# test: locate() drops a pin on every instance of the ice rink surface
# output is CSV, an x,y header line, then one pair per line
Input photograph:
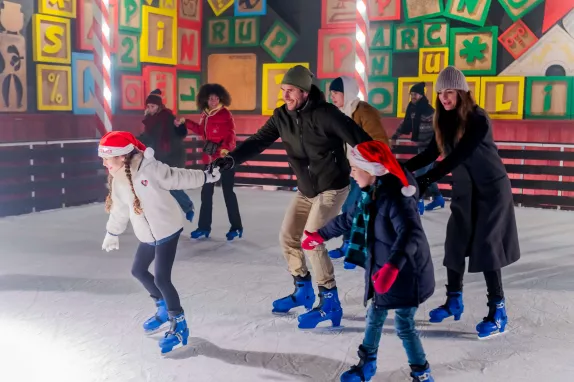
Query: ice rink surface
x,y
72,313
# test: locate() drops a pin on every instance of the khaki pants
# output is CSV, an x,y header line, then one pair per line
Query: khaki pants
x,y
310,214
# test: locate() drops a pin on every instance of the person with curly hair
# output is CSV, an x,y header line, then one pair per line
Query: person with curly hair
x,y
217,128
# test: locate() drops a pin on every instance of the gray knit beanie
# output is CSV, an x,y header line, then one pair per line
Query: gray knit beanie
x,y
451,78
300,77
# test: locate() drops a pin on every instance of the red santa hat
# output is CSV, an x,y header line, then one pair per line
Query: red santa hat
x,y
376,158
116,143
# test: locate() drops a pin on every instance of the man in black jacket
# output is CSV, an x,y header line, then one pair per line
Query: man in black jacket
x,y
418,122
314,134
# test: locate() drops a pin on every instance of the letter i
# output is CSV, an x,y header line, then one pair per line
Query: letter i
x,y
160,34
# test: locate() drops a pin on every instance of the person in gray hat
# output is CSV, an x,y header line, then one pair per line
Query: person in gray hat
x,y
314,134
482,225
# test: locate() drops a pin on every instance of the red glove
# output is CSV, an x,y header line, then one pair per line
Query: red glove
x,y
312,240
384,278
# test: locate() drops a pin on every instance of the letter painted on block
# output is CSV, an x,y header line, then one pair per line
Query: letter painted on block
x,y
188,85
517,9
474,51
435,33
338,14
432,61
165,79
403,89
128,56
470,11
250,7
336,53
159,45
51,39
549,97
83,91
132,93
189,52
85,25
503,97
278,41
189,13
220,32
381,35
380,10
246,31
219,6
130,15
54,87
380,63
62,8
383,94
517,39
407,38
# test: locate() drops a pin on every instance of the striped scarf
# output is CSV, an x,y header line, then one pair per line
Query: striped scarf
x,y
357,251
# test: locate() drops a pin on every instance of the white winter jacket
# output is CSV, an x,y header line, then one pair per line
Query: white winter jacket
x,y
162,216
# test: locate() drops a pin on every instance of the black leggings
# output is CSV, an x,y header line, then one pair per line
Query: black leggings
x,y
493,283
205,213
160,286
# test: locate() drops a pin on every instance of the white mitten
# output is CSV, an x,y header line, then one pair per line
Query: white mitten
x,y
111,242
213,176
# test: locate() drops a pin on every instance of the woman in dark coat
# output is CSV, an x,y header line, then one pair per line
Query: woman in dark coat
x,y
388,240
482,225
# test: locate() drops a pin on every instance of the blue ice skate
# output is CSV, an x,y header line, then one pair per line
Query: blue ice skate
x,y
495,322
233,233
329,308
304,295
176,336
199,233
452,307
421,374
364,370
421,206
437,202
189,215
157,322
349,265
339,252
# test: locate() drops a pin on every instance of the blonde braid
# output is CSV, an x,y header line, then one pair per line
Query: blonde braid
x,y
137,205
109,201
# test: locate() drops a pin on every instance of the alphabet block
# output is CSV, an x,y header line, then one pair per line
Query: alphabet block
x,y
381,35
159,44
246,32
128,57
432,61
404,87
474,87
549,97
167,5
381,10
435,33
324,86
189,13
219,6
336,53
83,91
238,73
250,7
420,10
132,93
84,26
407,37
189,44
338,14
130,15
473,51
220,32
272,76
54,87
62,8
381,63
469,11
165,79
278,41
517,39
51,39
502,97
188,85
383,94
13,78
517,9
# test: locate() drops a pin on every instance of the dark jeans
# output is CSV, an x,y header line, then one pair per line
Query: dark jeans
x,y
433,188
183,200
206,211
493,282
405,326
352,198
160,286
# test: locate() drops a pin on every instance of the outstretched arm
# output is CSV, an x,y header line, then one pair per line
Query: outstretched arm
x,y
171,178
344,127
257,143
337,226
428,156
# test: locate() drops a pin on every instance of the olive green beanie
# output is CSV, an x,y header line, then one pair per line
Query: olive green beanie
x,y
300,77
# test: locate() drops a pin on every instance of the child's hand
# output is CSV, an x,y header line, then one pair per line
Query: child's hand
x,y
110,243
312,240
178,122
385,278
212,175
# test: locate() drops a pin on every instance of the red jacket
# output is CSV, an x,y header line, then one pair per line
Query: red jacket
x,y
216,126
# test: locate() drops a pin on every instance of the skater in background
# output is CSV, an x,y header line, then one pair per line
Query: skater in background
x,y
418,122
217,129
389,242
314,133
139,188
482,225
345,95
167,141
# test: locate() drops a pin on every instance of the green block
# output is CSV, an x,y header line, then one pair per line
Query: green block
x,y
246,31
516,9
549,97
324,86
220,32
407,37
409,17
128,55
279,41
456,9
435,33
382,35
129,15
476,55
380,63
383,95
186,93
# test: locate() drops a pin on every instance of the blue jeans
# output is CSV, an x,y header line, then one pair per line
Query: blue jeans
x,y
352,198
405,326
183,200
433,188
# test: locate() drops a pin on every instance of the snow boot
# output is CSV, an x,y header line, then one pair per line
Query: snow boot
x,y
329,308
159,320
364,370
177,334
339,252
304,295
421,373
421,205
452,307
495,322
233,233
199,233
437,202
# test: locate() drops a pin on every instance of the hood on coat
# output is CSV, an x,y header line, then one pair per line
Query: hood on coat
x,y
351,95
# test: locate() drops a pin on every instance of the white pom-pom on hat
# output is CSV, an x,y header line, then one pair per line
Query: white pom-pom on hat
x,y
149,153
409,190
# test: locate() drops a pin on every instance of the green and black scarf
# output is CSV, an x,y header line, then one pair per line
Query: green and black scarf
x,y
358,251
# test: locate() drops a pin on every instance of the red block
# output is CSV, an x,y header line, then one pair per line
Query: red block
x,y
132,93
163,78
517,39
336,53
189,48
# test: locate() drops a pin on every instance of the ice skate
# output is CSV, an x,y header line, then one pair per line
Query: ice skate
x,y
421,374
159,320
233,233
189,215
421,206
176,336
329,308
304,295
437,202
339,252
452,307
495,323
199,233
364,370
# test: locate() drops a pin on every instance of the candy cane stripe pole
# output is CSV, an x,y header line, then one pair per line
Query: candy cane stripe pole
x,y
103,63
361,49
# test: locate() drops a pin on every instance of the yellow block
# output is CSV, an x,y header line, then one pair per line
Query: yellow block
x,y
503,97
62,8
51,39
54,92
159,34
405,84
271,96
220,6
432,61
474,87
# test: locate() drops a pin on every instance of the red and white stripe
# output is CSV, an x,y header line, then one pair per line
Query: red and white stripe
x,y
102,60
362,48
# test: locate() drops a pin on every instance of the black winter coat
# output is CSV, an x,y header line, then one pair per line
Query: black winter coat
x,y
314,137
395,235
418,122
165,138
482,225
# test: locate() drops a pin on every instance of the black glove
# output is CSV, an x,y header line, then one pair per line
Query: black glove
x,y
424,184
225,163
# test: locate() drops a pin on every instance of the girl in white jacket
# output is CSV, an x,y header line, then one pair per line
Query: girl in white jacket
x,y
139,188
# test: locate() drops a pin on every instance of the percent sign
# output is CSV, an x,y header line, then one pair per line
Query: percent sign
x,y
55,96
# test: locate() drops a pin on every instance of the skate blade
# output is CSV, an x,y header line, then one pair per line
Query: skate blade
x,y
324,329
158,330
175,350
284,314
493,335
